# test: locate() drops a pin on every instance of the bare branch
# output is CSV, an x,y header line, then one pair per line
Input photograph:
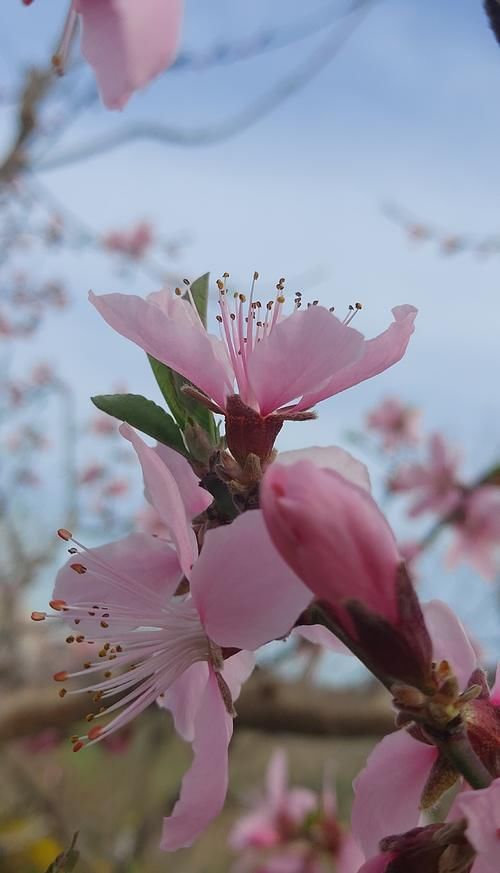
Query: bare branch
x,y
265,704
37,86
316,62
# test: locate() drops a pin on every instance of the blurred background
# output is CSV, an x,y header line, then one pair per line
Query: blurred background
x,y
350,147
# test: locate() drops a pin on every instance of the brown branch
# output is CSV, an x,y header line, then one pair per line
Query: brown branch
x,y
266,704
38,84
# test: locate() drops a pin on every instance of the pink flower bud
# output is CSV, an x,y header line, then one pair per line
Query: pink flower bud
x,y
334,537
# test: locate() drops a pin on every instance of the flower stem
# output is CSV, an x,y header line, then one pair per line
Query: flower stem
x,y
457,748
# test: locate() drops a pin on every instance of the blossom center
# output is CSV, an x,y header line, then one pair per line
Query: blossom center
x,y
244,322
136,644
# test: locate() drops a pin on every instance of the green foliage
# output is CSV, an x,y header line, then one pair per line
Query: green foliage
x,y
143,414
199,290
185,409
67,861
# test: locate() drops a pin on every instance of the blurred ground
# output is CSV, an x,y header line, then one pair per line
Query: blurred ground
x,y
116,800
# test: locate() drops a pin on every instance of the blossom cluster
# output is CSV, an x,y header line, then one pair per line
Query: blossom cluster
x,y
434,485
253,544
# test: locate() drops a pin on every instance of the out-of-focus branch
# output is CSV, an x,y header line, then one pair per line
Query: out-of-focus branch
x,y
448,242
265,704
317,61
492,9
37,85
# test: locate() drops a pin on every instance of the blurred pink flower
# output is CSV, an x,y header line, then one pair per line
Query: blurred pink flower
x,y
296,828
134,242
332,534
128,43
176,648
55,294
282,366
104,425
27,477
92,473
389,791
435,483
42,374
397,423
115,488
477,532
6,328
280,813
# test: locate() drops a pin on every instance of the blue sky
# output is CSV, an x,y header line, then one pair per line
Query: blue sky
x,y
407,113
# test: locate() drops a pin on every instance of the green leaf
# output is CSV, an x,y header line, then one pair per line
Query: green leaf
x,y
170,383
168,386
199,290
143,414
66,862
182,407
491,477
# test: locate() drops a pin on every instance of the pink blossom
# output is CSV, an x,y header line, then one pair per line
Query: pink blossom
x,y
335,538
467,842
294,827
92,473
397,423
134,242
278,816
115,488
481,810
128,43
435,483
477,531
388,791
42,374
281,365
104,425
178,648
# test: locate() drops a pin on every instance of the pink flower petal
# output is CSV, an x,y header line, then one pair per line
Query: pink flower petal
x,y
236,671
481,809
350,857
449,640
333,535
495,691
149,563
380,353
243,590
205,784
128,43
184,696
298,803
477,537
169,333
255,830
183,699
277,778
301,352
388,791
331,458
194,498
165,497
321,636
